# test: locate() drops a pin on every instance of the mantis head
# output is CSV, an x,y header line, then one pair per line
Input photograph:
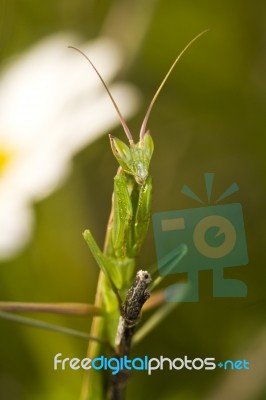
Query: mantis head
x,y
135,158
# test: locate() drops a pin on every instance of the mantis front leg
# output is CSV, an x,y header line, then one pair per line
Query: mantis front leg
x,y
143,215
122,215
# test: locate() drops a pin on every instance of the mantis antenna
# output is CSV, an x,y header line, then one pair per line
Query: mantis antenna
x,y
146,118
122,120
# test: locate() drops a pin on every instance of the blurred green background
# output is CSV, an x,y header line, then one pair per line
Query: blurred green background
x,y
209,118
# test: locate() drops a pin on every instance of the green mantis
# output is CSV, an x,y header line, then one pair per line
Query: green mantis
x,y
128,222
127,227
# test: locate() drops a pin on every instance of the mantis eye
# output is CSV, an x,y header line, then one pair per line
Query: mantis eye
x,y
121,152
148,144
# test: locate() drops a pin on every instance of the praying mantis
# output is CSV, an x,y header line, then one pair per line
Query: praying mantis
x,y
126,230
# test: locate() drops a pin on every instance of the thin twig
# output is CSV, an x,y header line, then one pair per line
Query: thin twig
x,y
53,308
45,325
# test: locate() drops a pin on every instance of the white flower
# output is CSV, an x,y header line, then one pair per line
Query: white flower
x,y
52,104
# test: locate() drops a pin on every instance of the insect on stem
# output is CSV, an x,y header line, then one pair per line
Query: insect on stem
x,y
122,120
126,231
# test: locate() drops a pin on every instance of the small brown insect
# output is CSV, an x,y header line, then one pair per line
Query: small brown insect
x,y
130,313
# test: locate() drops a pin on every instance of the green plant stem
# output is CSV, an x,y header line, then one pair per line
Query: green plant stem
x,y
51,327
52,308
